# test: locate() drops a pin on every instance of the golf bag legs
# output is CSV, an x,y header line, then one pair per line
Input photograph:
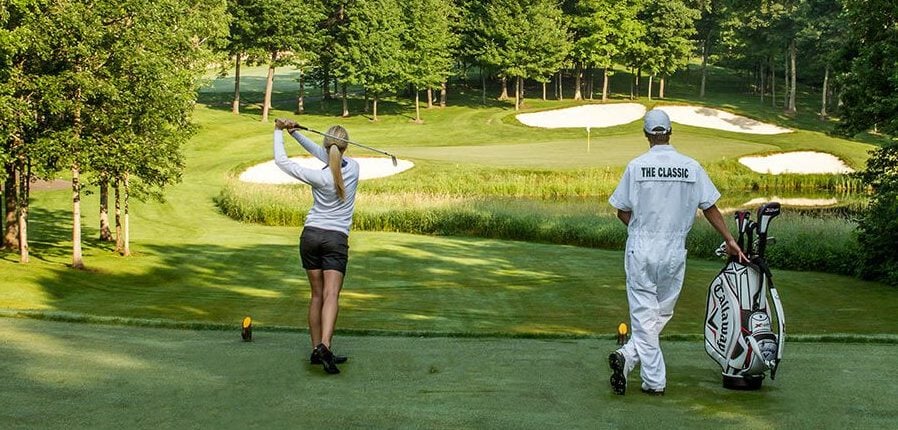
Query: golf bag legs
x,y
749,383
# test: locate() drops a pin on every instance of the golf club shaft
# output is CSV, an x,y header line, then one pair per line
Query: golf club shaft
x,y
302,127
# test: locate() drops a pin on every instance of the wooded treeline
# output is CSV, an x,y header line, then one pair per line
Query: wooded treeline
x,y
385,46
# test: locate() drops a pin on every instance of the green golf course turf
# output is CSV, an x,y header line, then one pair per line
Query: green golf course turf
x,y
494,333
403,282
63,375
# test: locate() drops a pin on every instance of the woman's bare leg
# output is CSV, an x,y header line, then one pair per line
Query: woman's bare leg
x,y
333,282
316,281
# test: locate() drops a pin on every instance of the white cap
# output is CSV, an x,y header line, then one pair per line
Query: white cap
x,y
657,122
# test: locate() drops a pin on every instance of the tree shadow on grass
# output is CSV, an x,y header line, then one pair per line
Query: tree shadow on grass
x,y
50,235
452,285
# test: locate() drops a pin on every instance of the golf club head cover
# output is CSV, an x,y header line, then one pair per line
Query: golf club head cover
x,y
767,212
742,218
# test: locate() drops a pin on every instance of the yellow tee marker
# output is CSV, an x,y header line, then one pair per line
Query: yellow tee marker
x,y
622,334
247,333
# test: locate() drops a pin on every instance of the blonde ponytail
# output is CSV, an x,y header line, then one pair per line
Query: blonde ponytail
x,y
335,161
335,148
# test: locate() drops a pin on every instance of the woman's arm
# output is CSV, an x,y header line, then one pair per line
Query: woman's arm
x,y
313,148
310,176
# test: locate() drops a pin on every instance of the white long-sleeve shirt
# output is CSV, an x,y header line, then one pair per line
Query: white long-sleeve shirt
x,y
328,211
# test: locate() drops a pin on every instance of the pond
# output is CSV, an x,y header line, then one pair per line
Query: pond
x,y
825,204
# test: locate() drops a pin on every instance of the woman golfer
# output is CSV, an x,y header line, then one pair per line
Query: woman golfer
x,y
323,245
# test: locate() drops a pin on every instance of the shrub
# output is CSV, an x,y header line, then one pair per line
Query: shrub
x,y
878,225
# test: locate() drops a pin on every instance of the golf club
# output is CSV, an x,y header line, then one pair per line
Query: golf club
x,y
765,213
392,157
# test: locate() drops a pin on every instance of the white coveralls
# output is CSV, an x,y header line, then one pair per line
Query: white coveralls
x,y
662,189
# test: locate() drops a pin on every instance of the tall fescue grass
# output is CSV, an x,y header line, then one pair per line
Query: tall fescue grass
x,y
804,240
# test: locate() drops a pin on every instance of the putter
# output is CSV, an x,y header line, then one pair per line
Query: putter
x,y
392,157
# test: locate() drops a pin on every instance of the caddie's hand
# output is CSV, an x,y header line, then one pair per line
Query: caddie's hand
x,y
734,250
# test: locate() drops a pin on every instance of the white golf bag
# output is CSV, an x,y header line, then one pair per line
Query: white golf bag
x,y
738,324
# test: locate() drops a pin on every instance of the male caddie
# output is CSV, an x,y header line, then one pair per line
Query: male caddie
x,y
657,199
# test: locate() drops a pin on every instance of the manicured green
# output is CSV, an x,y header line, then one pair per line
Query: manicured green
x,y
63,375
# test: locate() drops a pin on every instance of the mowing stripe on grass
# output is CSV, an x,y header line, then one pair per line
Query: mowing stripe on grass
x,y
71,317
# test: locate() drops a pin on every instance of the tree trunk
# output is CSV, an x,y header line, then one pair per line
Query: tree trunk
x,y
325,88
517,93
786,90
825,89
772,82
763,83
661,89
429,98
300,100
650,86
10,194
544,91
560,86
443,94
269,83
578,81
418,105
235,105
483,87
77,259
701,91
22,213
345,101
555,86
127,242
105,232
605,83
793,53
119,234
589,83
504,94
374,106
367,102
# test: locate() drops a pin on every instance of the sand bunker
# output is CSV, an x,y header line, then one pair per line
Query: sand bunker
x,y
585,116
792,201
369,168
608,115
698,116
803,162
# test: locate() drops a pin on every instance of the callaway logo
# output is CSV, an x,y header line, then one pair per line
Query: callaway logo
x,y
724,305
